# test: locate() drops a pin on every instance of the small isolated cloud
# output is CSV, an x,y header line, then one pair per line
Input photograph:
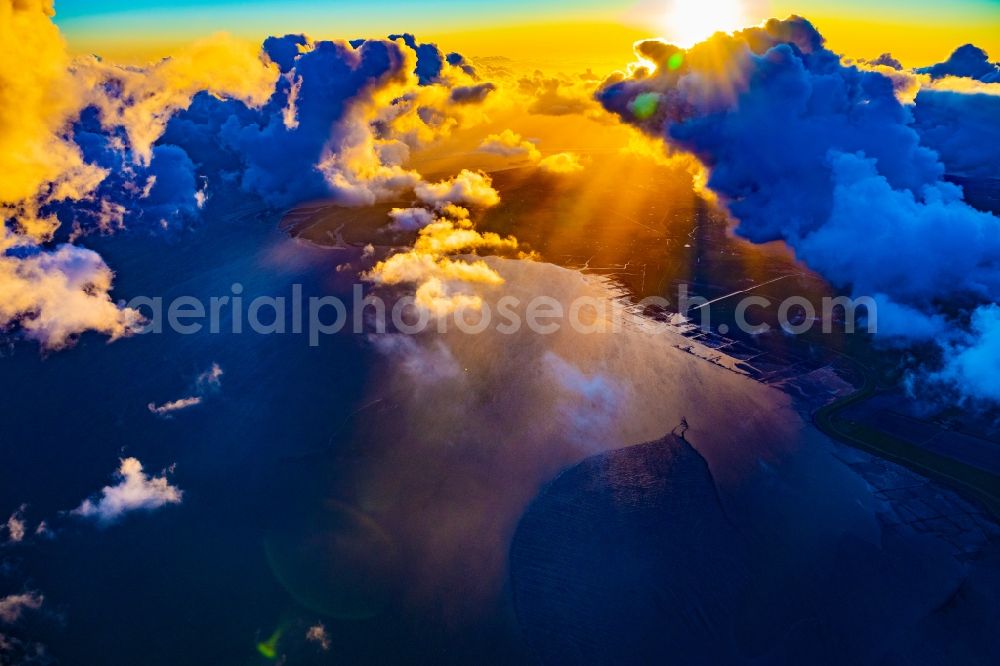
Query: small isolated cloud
x,y
211,379
135,491
885,60
53,296
319,635
13,606
561,163
16,525
510,144
207,382
471,188
410,219
168,408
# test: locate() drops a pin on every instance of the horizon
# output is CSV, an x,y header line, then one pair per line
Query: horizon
x,y
523,333
919,34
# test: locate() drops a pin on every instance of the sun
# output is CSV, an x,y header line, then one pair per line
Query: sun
x,y
688,22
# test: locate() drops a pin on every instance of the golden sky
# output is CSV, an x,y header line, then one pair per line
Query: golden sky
x,y
587,33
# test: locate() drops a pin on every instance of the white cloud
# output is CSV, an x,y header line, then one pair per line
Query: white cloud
x,y
410,219
210,379
16,525
54,296
168,408
135,491
319,635
14,605
207,382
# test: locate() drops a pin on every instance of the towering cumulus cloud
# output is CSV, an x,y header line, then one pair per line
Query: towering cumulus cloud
x,y
958,112
54,169
87,146
804,149
341,122
38,98
51,294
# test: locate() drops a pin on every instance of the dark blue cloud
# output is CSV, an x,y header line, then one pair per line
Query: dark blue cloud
x,y
471,94
804,149
170,198
886,60
276,149
430,60
963,128
197,129
967,61
279,160
159,196
458,60
765,120
283,50
272,151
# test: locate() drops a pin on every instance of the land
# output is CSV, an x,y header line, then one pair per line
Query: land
x,y
642,225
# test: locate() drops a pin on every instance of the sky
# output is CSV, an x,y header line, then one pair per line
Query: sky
x,y
918,32
445,184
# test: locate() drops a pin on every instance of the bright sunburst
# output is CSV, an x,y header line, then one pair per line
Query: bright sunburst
x,y
688,22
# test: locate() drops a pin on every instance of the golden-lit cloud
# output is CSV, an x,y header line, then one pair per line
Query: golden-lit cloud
x,y
561,163
471,188
560,94
509,143
442,283
363,165
907,83
146,98
53,296
962,84
361,168
38,99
